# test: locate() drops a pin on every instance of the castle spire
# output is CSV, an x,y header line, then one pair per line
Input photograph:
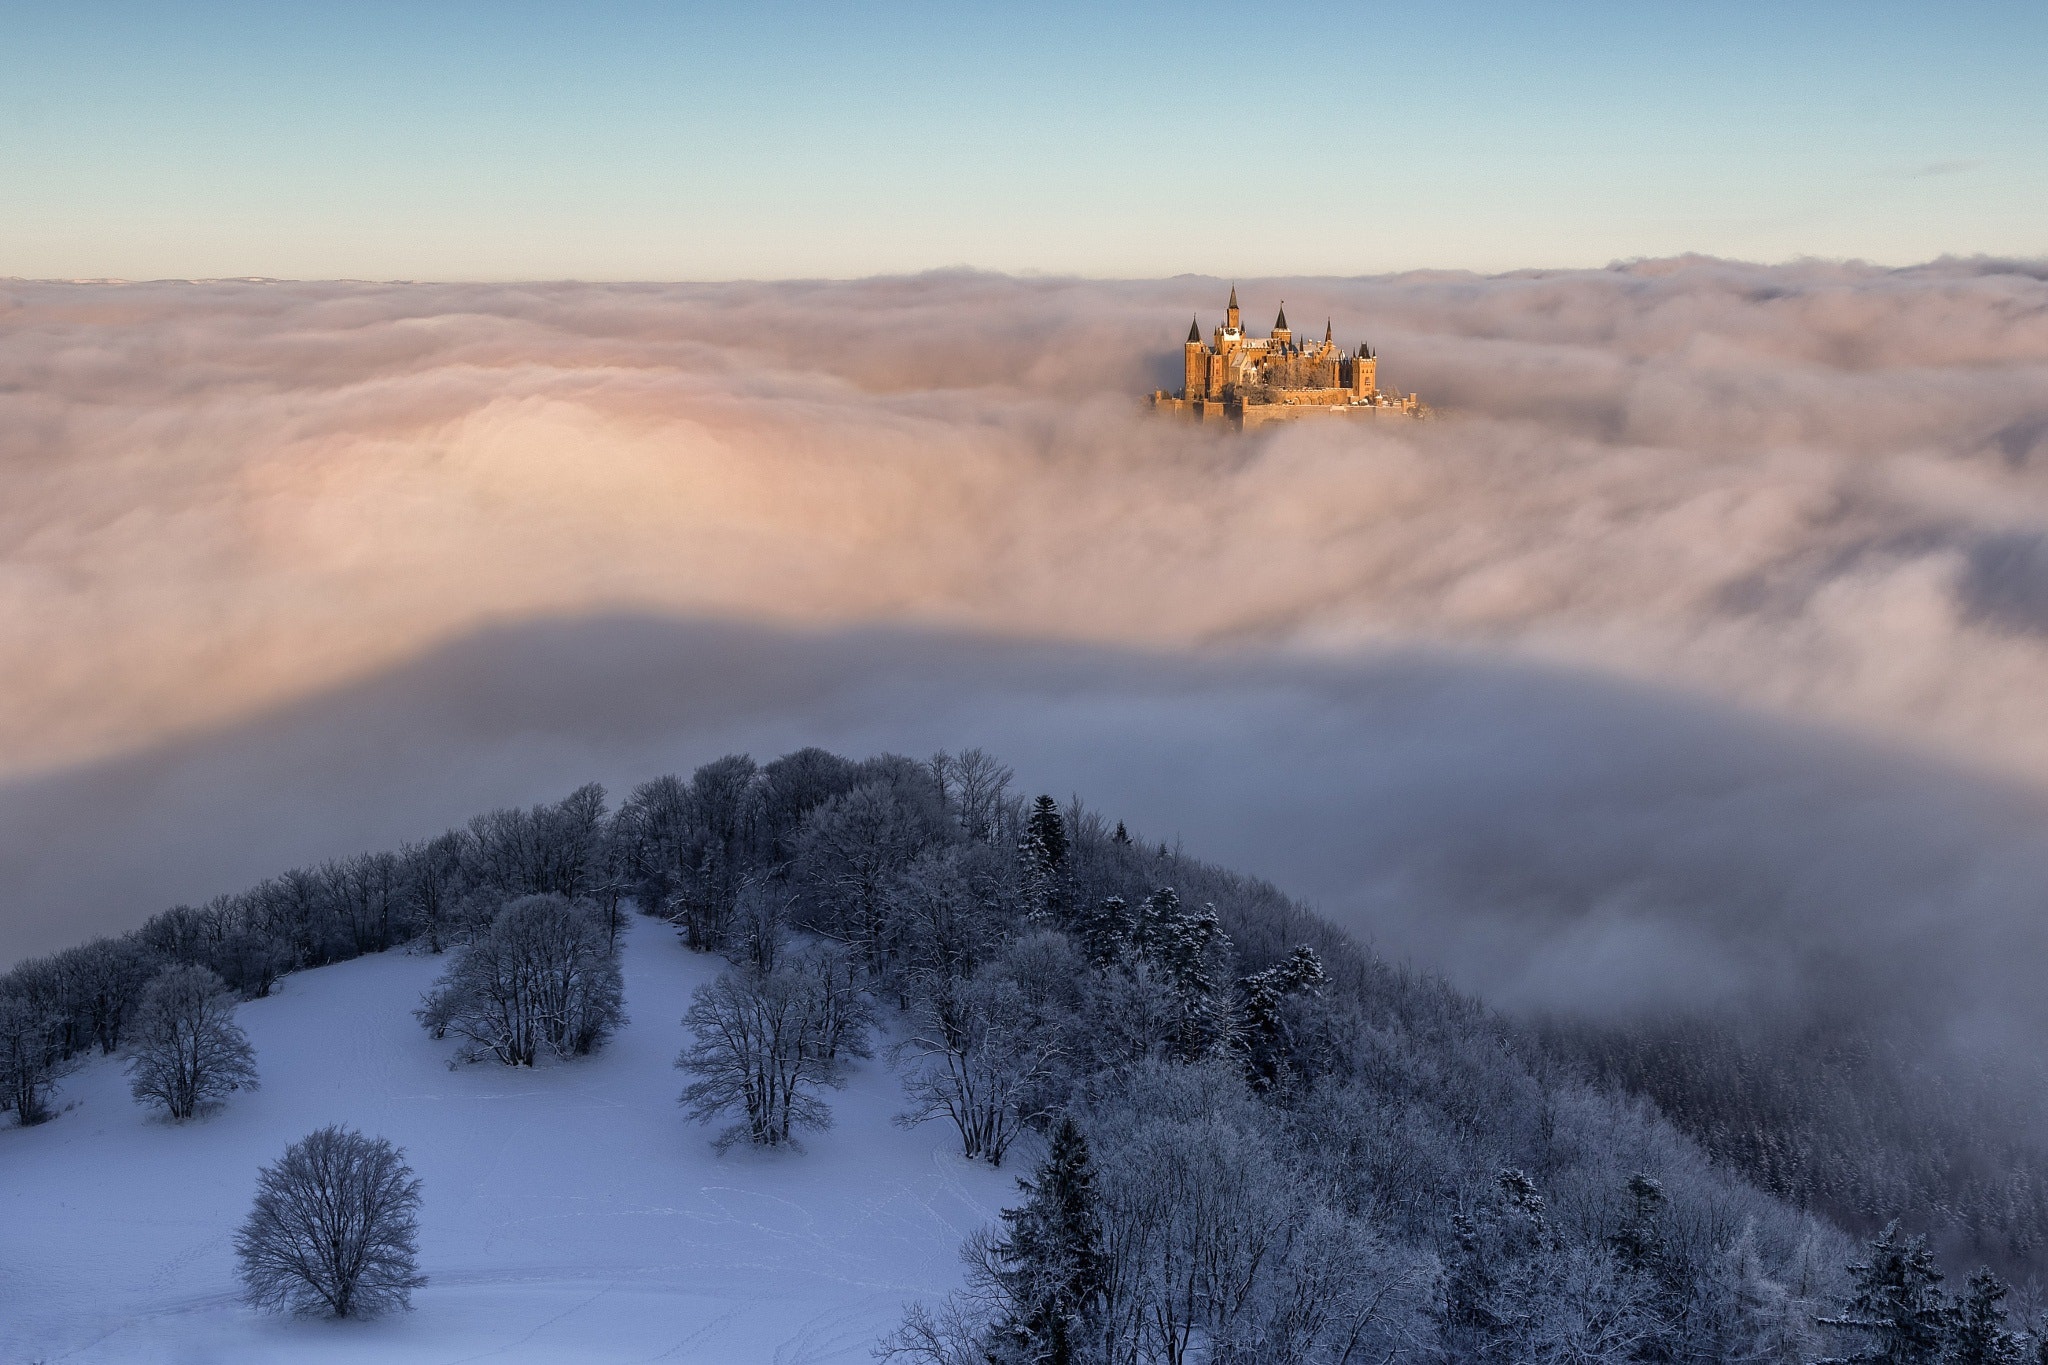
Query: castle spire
x,y
1328,335
1233,296
1280,323
1195,332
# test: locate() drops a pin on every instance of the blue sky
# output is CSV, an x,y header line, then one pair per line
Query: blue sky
x,y
629,140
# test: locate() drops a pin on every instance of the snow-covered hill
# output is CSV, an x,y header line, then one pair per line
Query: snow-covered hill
x,y
571,1213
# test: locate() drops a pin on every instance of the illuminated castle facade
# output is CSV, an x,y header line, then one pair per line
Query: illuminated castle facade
x,y
1253,380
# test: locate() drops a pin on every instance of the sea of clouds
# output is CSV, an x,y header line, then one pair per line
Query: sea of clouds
x,y
1696,654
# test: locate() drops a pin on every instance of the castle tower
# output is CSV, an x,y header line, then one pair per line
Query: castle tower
x,y
1365,373
1195,371
1280,332
1232,321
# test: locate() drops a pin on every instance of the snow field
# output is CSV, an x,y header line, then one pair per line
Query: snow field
x,y
571,1212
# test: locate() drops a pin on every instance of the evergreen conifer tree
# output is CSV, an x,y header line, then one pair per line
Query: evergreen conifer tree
x,y
1047,831
1897,1306
1104,929
1977,1333
1049,1262
1263,1033
1043,851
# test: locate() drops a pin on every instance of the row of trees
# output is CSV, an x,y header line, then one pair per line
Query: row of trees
x,y
440,893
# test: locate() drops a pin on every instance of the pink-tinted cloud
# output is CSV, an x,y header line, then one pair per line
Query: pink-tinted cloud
x,y
1815,489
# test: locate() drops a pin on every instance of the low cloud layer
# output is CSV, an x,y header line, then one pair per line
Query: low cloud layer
x,y
1813,489
1705,633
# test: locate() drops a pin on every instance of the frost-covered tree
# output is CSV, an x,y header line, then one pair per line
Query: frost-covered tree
x,y
1188,951
851,851
185,1050
1103,929
104,980
1048,1264
943,927
334,1228
545,850
975,785
759,931
432,872
1896,1311
1042,853
1263,1033
544,978
688,846
32,1058
979,1057
764,1047
1978,1334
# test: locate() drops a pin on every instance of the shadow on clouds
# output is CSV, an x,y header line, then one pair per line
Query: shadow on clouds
x,y
1556,841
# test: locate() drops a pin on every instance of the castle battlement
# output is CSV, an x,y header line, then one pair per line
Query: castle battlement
x,y
1247,380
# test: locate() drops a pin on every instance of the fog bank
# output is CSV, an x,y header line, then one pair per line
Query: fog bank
x,y
1816,490
1695,656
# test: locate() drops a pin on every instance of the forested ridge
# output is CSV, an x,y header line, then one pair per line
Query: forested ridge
x,y
1246,1137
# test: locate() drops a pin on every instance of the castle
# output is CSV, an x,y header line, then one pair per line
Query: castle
x,y
1254,380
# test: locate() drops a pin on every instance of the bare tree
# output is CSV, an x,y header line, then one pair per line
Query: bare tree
x,y
333,1229
544,977
762,1050
980,785
759,929
185,1050
32,1058
104,980
432,872
848,856
540,851
982,1057
942,928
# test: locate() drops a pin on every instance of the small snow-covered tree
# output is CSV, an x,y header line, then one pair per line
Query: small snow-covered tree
x,y
544,977
185,1050
334,1228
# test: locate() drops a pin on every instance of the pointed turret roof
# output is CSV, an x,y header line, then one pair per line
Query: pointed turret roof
x,y
1233,296
1195,332
1328,335
1280,323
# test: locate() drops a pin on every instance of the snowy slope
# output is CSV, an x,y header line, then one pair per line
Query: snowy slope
x,y
571,1212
